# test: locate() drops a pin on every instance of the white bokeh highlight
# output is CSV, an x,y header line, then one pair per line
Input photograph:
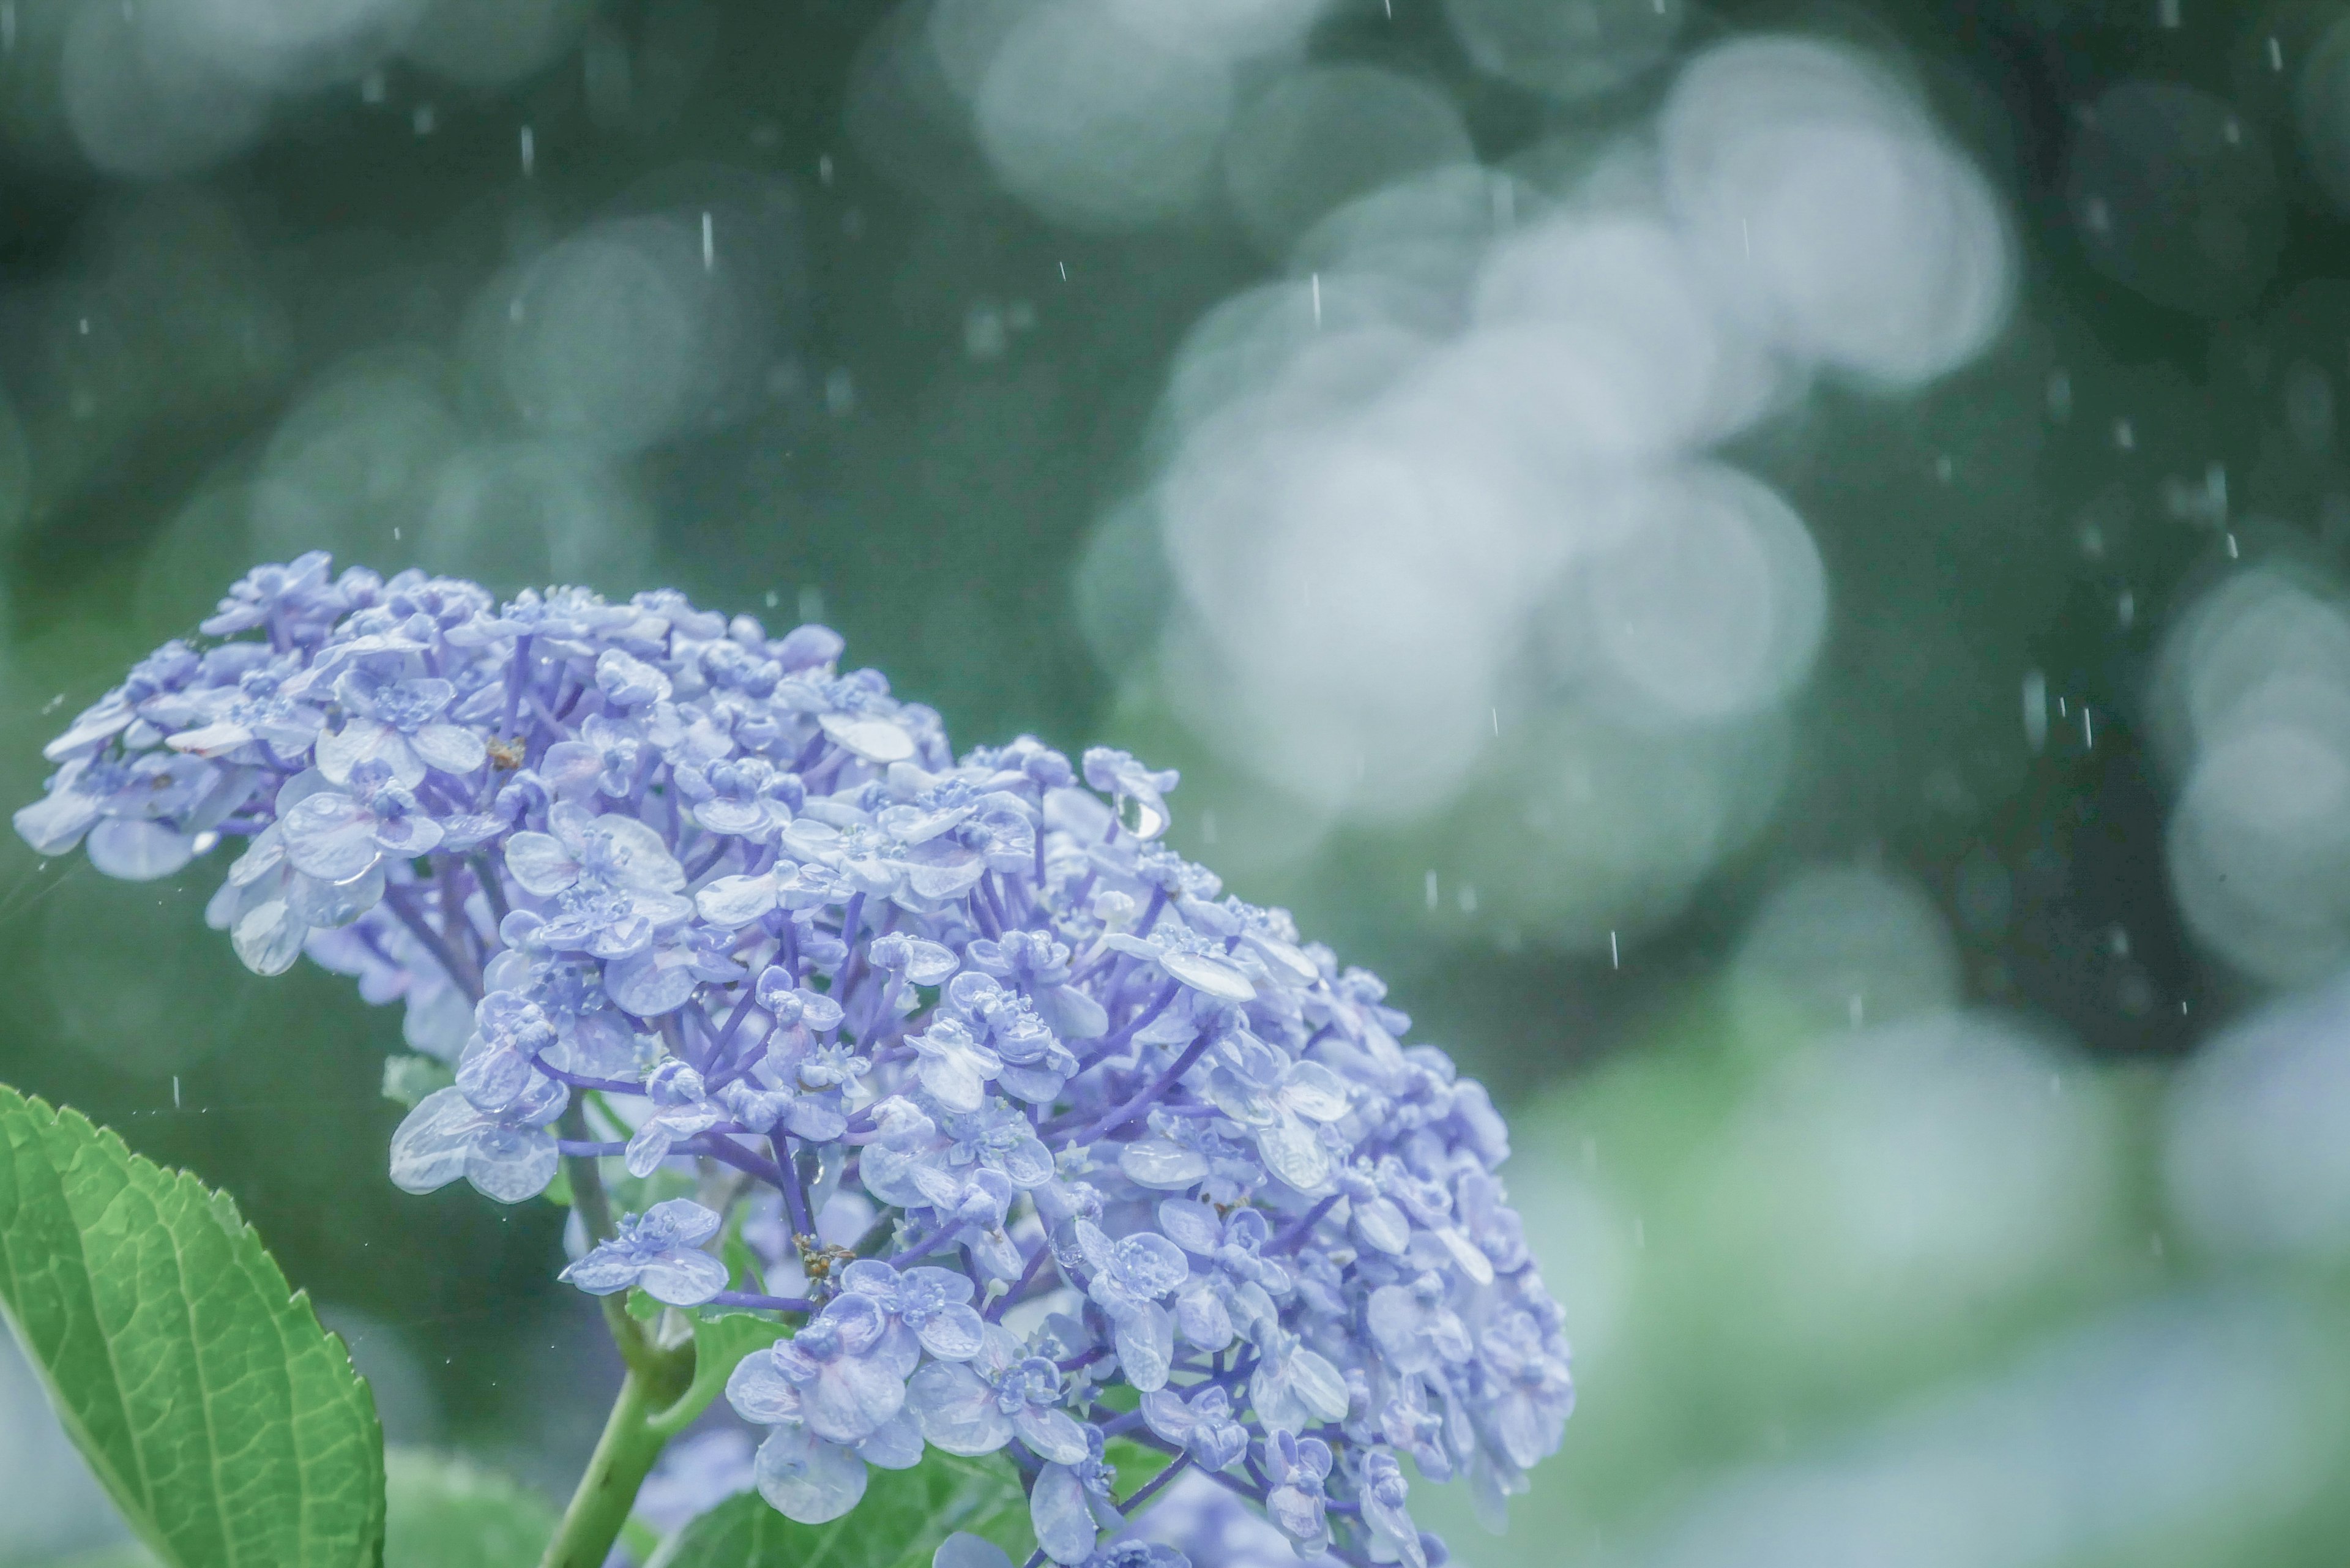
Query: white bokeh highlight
x,y
1441,511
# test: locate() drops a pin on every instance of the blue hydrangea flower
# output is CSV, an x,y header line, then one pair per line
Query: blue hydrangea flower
x,y
1201,1425
754,918
658,1251
934,1302
998,1394
1297,1468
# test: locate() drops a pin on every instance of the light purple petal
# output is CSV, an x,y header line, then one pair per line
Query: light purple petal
x,y
602,1273
1146,1347
55,825
331,836
1164,1410
954,1333
962,1550
895,1445
1065,1525
956,1410
808,1480
851,1399
452,748
367,739
137,851
760,1395
1149,1264
540,864
1294,1152
1163,1164
1192,1225
735,902
684,1278
512,1164
1052,1435
693,1223
268,939
429,1150
655,982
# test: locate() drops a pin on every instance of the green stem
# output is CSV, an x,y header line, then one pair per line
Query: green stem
x,y
623,1457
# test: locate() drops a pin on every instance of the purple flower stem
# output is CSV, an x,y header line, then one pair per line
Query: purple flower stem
x,y
1292,1236
607,1085
400,897
1141,1100
588,1148
740,1158
1154,1486
795,1191
1027,1277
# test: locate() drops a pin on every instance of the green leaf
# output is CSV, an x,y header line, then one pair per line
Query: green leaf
x,y
720,1341
444,1513
904,1516
1138,1465
228,1426
409,1079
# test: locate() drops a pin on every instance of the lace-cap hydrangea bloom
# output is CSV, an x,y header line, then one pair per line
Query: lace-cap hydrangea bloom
x,y
1014,1106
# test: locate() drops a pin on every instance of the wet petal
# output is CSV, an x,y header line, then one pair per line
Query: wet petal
x,y
429,1150
954,1333
1163,1164
851,1399
897,1444
1149,1264
655,982
1051,1435
684,1278
956,1410
735,902
1211,977
603,1272
1065,1525
1294,1152
331,836
268,939
808,1480
512,1164
136,851
760,1394
452,748
540,864
1146,1347
56,824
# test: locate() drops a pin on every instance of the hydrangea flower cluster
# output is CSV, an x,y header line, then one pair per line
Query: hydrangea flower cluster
x,y
1042,1138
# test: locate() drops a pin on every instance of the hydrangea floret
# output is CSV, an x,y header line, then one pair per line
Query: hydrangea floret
x,y
1025,1134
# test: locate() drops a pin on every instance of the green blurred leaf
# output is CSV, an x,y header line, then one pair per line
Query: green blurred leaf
x,y
1136,1465
445,1513
720,1341
229,1428
409,1079
903,1517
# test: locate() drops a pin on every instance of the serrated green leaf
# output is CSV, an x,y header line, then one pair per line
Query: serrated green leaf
x,y
904,1516
445,1513
229,1428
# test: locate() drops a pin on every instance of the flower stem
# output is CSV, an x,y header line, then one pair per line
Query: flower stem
x,y
623,1457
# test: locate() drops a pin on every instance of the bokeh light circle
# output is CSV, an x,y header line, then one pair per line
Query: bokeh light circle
x,y
1098,124
1829,214
1321,137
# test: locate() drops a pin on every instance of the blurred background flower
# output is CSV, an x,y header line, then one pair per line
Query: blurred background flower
x,y
1782,571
